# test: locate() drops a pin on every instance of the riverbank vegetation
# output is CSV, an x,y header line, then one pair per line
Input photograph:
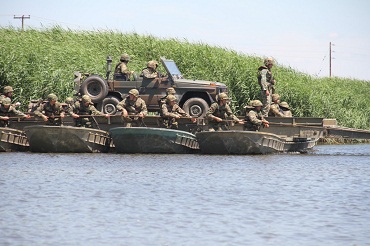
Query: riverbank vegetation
x,y
38,62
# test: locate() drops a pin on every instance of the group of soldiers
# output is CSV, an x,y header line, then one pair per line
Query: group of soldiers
x,y
134,109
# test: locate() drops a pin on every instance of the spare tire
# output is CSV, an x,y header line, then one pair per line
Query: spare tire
x,y
95,87
196,107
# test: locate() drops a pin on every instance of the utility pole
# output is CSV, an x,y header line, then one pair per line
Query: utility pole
x,y
330,58
22,17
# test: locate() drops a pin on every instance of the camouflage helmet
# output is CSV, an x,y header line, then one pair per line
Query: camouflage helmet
x,y
284,105
6,101
170,91
171,98
134,92
52,97
223,96
69,100
86,98
256,103
8,89
152,64
275,97
125,57
269,61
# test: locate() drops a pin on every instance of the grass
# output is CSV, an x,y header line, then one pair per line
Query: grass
x,y
38,62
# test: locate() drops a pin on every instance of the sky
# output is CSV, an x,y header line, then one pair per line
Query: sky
x,y
297,33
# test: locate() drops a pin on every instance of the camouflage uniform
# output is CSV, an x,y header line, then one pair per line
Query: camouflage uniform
x,y
7,90
284,106
267,83
169,113
253,118
81,108
162,100
150,72
133,107
8,112
53,112
275,110
224,112
121,67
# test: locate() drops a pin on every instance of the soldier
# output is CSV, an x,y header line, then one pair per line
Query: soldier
x,y
267,83
51,111
162,100
121,67
8,93
151,73
133,109
219,112
275,110
284,106
81,110
69,104
254,117
171,111
7,110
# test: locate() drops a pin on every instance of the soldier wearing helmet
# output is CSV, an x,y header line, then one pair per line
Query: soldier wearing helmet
x,y
254,118
171,111
8,93
81,111
219,112
275,110
133,109
121,68
284,106
267,83
52,111
151,74
162,100
7,110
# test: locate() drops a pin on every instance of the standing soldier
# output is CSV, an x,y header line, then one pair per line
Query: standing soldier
x,y
171,111
267,83
81,111
52,111
254,117
121,67
7,110
219,112
133,109
275,110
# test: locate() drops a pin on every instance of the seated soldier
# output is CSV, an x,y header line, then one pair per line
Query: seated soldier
x,y
284,106
274,107
162,100
133,109
81,111
121,68
171,111
51,111
7,110
254,118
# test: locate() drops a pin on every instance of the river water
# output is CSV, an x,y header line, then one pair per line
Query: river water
x,y
319,198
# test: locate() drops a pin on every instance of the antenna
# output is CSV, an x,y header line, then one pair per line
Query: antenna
x,y
330,57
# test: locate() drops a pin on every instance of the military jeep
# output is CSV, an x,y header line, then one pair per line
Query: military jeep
x,y
194,96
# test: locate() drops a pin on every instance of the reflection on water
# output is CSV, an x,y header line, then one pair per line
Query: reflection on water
x,y
319,198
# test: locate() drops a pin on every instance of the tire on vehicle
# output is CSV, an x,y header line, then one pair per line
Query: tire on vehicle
x,y
196,107
95,87
109,105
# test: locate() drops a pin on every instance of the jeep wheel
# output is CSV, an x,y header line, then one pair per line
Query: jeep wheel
x,y
109,105
95,87
196,107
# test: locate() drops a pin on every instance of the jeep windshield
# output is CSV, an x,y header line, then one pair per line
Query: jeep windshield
x,y
172,68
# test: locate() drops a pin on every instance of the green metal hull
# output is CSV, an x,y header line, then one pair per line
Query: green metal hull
x,y
13,140
248,143
153,140
66,139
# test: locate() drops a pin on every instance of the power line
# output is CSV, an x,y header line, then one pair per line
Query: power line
x,y
22,17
